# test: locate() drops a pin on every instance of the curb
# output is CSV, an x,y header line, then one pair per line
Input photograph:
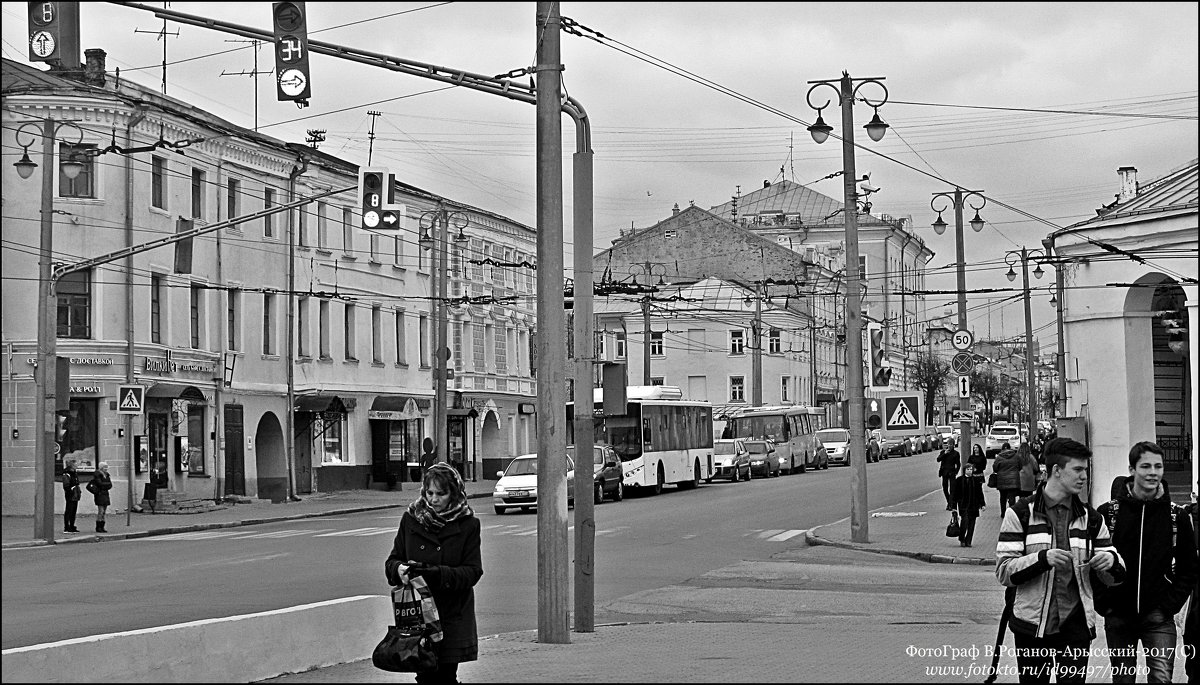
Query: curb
x,y
928,557
171,530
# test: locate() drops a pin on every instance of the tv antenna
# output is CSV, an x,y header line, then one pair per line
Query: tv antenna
x,y
371,134
162,35
254,73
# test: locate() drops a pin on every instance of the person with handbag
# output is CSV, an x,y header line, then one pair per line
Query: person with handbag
x,y
948,465
70,484
1007,472
99,486
969,502
438,541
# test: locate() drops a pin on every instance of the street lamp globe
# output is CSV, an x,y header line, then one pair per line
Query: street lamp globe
x,y
1037,271
876,127
977,222
939,224
1012,275
25,165
820,131
71,168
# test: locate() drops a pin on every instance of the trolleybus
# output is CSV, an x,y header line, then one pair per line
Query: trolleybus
x,y
793,429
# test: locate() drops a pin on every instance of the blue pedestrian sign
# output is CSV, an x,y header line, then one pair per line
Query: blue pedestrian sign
x,y
131,399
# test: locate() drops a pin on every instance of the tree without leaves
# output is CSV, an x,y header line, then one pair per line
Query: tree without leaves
x,y
986,387
930,374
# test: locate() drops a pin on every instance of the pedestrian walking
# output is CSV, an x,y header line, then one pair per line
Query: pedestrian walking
x,y
70,483
439,541
969,501
1155,537
1051,547
1030,470
948,465
1007,469
99,486
978,459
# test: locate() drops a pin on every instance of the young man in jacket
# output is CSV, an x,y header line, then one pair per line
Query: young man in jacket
x,y
1051,546
1154,537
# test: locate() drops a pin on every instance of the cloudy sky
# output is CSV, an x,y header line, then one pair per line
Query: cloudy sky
x,y
968,86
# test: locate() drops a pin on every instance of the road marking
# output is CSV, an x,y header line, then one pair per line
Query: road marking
x,y
356,532
769,533
196,535
280,534
786,535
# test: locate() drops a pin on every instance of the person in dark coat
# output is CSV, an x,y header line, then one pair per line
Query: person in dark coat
x,y
1030,470
70,483
948,465
1007,468
439,541
978,459
1191,623
99,486
968,499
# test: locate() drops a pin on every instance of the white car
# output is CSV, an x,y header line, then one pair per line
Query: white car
x,y
999,435
517,487
837,444
946,433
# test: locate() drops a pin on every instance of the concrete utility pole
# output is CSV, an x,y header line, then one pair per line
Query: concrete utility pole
x,y
442,353
756,394
553,614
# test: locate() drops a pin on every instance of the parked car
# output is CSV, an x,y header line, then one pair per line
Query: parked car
x,y
998,435
837,445
607,477
933,438
731,460
895,446
762,458
517,487
946,434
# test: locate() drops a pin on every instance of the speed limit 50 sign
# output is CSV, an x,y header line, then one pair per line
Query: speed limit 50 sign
x,y
962,340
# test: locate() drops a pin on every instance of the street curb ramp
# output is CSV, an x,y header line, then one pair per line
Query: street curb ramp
x,y
239,649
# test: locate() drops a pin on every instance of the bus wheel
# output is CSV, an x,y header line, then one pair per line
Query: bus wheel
x,y
619,493
658,485
803,465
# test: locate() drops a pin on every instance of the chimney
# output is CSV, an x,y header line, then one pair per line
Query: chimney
x,y
766,183
675,209
1129,184
93,70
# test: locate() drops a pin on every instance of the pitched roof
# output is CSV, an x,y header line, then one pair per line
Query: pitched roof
x,y
784,197
1179,189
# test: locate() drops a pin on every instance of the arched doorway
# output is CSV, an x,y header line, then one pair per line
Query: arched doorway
x,y
269,458
1172,391
491,445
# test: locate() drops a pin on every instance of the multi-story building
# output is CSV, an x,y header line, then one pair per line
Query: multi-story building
x,y
302,305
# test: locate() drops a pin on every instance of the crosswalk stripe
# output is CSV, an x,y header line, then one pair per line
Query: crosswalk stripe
x,y
280,534
769,533
362,532
196,535
785,535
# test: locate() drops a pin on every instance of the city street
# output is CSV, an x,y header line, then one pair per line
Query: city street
x,y
642,544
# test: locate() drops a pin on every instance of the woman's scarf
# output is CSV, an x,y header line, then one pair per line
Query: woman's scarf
x,y
434,521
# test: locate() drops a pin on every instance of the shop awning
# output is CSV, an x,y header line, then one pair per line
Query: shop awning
x,y
324,403
398,402
181,391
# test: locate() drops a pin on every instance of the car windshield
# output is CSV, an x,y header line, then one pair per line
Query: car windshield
x,y
945,429
720,447
757,447
834,435
521,467
1004,430
597,454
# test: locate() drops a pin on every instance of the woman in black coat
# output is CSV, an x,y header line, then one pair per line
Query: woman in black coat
x,y
99,486
968,489
948,469
438,540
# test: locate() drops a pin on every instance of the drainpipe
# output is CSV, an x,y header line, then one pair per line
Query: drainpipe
x,y
290,439
138,115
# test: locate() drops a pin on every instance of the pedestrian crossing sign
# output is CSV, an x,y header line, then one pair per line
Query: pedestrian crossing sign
x,y
131,399
902,413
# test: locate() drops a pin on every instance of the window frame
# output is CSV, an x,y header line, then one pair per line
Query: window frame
x,y
158,182
68,187
70,303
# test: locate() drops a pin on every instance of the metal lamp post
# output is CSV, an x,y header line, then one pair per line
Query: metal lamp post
x,y
1010,258
47,333
846,89
441,219
958,199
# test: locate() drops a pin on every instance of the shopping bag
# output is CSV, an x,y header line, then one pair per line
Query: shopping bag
x,y
404,651
952,530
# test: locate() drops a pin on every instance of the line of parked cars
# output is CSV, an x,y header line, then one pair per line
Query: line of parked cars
x,y
743,459
517,487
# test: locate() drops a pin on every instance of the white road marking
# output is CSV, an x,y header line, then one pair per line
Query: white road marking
x,y
196,535
785,535
769,533
280,534
357,532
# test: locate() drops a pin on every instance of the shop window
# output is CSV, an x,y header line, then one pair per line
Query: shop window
x,y
194,452
329,438
79,430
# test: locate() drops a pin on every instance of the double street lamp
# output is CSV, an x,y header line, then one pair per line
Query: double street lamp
x,y
958,199
1011,258
47,333
847,88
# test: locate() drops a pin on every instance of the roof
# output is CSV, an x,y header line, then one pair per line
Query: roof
x,y
799,203
1177,190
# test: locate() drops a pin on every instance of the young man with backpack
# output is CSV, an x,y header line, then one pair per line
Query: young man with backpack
x,y
1052,545
1154,537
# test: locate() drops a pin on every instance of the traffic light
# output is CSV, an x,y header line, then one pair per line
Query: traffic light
x,y
878,372
60,427
872,413
370,195
54,33
291,52
1175,323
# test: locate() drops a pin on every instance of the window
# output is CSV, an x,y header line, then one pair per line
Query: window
x,y
862,267
195,314
81,432
322,227
423,355
156,304
158,182
785,382
268,202
376,334
375,249
737,388
268,331
497,271
656,343
458,346
301,226
197,194
348,331
194,456
401,357
233,197
695,340
348,232
233,320
74,294
302,327
328,430
83,185
323,326
501,343
656,380
398,251
737,342
774,341
478,351
620,345
476,267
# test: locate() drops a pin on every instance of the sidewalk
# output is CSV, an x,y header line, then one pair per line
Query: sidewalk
x,y
18,530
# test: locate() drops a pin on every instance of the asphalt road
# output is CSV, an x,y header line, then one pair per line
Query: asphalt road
x,y
642,543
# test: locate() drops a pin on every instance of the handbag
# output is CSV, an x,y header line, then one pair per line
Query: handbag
x,y
952,529
404,651
992,480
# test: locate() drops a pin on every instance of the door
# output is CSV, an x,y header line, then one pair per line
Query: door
x,y
235,450
157,428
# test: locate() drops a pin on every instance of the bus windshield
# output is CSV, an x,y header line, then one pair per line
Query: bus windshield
x,y
759,427
622,434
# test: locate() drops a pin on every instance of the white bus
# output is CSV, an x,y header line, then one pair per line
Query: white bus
x,y
661,438
792,428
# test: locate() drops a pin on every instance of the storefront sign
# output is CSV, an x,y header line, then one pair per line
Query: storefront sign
x,y
387,415
93,361
167,364
80,389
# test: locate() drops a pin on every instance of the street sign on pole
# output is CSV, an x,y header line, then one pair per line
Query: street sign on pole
x,y
902,413
962,340
963,416
962,363
131,399
964,386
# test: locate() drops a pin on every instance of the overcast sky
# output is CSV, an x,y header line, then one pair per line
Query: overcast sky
x,y
960,77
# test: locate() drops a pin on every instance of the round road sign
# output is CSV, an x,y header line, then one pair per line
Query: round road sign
x,y
962,363
962,340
